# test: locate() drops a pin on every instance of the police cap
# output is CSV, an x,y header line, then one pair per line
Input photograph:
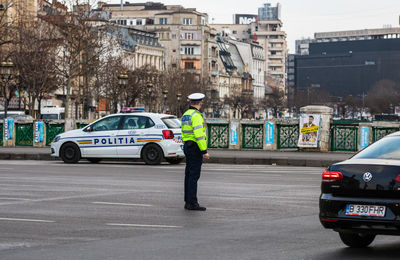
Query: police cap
x,y
196,97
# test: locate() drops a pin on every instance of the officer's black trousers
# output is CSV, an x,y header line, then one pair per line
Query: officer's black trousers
x,y
194,160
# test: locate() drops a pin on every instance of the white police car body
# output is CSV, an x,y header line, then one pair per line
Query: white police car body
x,y
149,136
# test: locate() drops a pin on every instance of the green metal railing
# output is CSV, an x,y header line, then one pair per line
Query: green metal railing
x,y
380,132
253,136
344,138
288,136
24,134
218,135
52,130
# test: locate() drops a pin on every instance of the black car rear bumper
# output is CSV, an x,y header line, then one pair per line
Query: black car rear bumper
x,y
332,215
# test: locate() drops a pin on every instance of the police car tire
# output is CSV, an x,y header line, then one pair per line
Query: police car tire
x,y
70,153
94,160
152,154
174,160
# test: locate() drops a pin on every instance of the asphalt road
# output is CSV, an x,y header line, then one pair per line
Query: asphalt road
x,y
119,210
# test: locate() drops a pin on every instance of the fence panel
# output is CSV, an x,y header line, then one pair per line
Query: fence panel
x,y
218,135
288,136
52,130
344,138
253,136
24,134
380,132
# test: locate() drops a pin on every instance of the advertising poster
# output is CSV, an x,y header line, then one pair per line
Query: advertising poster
x,y
39,132
8,128
269,133
364,142
309,130
234,140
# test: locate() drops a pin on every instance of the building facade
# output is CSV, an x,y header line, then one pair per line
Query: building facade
x,y
183,32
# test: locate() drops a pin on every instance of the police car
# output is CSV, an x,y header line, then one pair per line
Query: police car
x,y
133,134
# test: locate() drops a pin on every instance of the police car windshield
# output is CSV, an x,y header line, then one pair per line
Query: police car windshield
x,y
171,122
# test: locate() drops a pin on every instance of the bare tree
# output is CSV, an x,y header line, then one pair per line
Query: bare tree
x,y
383,96
35,60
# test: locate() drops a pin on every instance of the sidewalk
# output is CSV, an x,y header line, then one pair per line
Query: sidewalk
x,y
293,158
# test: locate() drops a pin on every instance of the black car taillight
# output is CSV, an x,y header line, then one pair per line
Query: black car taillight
x,y
168,134
331,176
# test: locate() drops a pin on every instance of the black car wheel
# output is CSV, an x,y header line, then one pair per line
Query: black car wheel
x,y
174,160
152,154
94,160
356,239
70,153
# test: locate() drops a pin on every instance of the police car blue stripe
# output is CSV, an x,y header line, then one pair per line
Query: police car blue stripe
x,y
102,146
107,136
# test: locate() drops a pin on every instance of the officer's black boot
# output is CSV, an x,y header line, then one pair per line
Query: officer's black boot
x,y
194,206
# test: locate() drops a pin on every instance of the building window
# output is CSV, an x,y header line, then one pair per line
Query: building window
x,y
189,65
234,32
139,22
163,20
187,21
203,20
189,50
131,22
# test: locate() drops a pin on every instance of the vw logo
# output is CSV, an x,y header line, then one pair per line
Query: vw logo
x,y
367,177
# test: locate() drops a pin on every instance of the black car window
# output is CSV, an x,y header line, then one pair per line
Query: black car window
x,y
137,122
386,148
107,124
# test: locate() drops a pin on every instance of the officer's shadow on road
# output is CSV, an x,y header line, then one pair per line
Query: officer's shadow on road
x,y
387,251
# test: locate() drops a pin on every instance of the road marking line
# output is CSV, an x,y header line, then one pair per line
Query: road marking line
x,y
15,199
122,204
28,220
142,225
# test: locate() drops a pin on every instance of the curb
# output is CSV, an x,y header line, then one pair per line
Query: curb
x,y
222,160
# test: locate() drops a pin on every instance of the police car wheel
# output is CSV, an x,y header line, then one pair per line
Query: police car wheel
x,y
152,154
174,160
94,160
70,153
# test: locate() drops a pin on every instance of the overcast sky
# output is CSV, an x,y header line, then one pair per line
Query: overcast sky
x,y
302,18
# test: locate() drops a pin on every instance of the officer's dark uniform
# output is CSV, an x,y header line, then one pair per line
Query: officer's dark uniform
x,y
195,146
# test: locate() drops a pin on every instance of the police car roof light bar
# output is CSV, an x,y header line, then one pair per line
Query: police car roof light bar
x,y
132,109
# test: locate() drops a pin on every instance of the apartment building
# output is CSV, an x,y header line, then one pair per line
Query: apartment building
x,y
267,32
183,32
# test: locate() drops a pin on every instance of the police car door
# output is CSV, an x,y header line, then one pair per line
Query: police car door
x,y
133,135
101,138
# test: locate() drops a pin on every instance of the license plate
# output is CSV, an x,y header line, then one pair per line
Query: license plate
x,y
365,210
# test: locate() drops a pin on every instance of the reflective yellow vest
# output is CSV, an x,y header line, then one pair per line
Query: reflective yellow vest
x,y
193,128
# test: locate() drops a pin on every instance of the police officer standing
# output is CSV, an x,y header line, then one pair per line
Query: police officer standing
x,y
195,149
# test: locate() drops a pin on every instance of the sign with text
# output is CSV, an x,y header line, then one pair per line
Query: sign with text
x,y
234,140
364,142
309,130
8,128
39,132
269,133
244,18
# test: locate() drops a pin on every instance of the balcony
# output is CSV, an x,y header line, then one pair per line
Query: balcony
x,y
275,64
276,40
276,57
190,56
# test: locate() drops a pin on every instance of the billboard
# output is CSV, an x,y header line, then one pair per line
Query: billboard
x,y
244,18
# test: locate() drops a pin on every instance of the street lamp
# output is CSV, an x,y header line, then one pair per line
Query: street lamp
x,y
6,73
178,97
149,89
165,93
122,82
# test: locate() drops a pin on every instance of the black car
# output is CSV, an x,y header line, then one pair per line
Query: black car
x,y
360,197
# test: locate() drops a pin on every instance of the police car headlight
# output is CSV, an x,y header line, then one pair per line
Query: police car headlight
x,y
56,139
